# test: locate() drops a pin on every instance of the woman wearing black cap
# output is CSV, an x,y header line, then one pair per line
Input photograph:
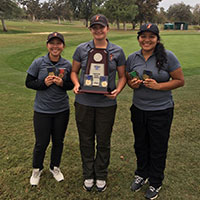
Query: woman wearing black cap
x,y
95,113
50,76
152,73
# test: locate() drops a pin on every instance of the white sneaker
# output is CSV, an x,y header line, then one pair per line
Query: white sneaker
x,y
35,178
57,174
101,185
88,184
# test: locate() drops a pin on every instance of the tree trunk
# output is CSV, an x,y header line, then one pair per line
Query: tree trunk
x,y
118,27
33,17
58,20
86,23
133,25
3,25
124,26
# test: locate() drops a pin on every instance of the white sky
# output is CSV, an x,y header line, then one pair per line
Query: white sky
x,y
167,3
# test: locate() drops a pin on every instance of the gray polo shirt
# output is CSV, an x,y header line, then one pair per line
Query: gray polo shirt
x,y
54,99
116,59
149,99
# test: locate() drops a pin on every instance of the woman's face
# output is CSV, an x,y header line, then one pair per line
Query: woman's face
x,y
148,41
99,32
55,47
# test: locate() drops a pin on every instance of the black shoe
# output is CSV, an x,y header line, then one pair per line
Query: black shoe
x,y
88,184
152,193
138,183
101,185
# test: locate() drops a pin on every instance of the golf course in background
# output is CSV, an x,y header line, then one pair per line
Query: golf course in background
x,y
26,41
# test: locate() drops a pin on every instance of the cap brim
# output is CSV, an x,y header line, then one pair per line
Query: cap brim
x,y
98,23
139,32
57,38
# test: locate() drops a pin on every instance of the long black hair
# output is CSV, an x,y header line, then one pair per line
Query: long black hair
x,y
160,53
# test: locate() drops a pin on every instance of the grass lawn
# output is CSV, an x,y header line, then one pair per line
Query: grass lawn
x,y
26,41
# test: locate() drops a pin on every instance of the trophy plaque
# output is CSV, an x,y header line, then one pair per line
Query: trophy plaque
x,y
133,74
96,76
61,72
51,71
146,74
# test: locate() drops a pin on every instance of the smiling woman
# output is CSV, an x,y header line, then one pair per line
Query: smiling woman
x,y
158,72
95,113
50,76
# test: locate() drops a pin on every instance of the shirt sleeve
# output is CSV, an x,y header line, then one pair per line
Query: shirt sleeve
x,y
122,58
173,62
77,55
34,83
34,69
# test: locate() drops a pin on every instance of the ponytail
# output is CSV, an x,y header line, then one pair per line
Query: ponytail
x,y
161,57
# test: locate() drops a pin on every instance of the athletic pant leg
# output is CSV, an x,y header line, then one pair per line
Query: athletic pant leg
x,y
104,121
141,141
85,116
159,124
60,122
42,128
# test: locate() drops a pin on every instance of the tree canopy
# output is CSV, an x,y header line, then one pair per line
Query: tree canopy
x,y
180,12
8,9
117,11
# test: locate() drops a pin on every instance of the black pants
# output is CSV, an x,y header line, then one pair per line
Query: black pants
x,y
91,122
48,126
151,130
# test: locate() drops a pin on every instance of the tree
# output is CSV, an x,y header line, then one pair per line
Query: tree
x,y
147,10
86,8
60,9
196,14
121,11
161,17
32,7
45,11
179,12
8,9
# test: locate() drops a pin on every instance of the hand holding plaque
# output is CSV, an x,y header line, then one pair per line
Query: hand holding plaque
x,y
96,76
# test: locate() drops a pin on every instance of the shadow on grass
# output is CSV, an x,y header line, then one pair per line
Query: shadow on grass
x,y
22,60
13,32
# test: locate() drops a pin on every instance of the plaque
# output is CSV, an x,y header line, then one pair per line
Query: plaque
x,y
51,71
146,74
61,72
96,76
133,74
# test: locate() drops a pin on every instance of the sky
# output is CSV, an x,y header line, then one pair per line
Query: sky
x,y
167,3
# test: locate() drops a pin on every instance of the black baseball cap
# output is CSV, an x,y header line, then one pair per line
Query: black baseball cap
x,y
55,35
99,19
149,27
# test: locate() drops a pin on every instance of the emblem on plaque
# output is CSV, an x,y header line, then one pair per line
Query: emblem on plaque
x,y
96,76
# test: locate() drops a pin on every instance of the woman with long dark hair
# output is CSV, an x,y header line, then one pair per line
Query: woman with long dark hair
x,y
152,73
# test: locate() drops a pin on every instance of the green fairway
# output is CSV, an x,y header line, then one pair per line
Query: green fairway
x,y
26,41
